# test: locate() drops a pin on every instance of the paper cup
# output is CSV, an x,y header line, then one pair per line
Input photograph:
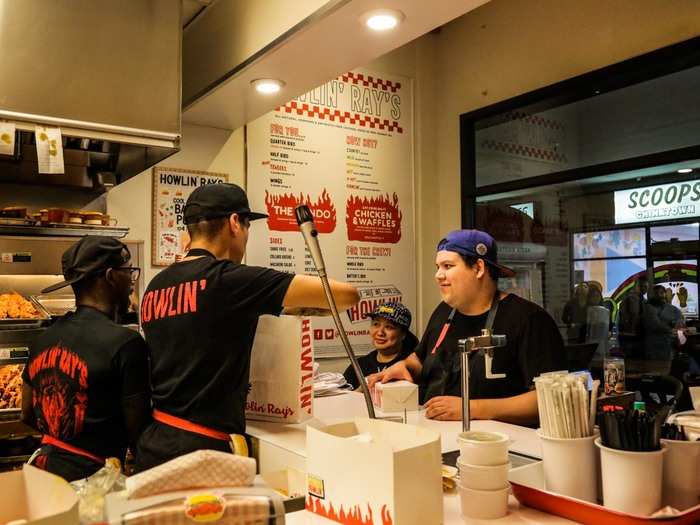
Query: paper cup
x,y
631,480
571,466
483,504
681,485
483,448
483,478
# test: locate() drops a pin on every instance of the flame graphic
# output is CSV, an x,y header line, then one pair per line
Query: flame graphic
x,y
376,219
352,517
280,209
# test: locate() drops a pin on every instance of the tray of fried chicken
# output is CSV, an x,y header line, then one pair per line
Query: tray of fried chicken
x,y
17,311
11,387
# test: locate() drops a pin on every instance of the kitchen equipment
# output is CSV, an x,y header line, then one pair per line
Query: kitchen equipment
x,y
14,212
486,343
55,304
75,217
41,318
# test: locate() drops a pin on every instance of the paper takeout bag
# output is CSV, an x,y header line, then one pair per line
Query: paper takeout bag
x,y
281,371
374,471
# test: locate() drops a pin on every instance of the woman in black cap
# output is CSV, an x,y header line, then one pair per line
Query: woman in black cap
x,y
391,337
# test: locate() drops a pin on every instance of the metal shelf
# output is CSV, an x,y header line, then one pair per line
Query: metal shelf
x,y
62,231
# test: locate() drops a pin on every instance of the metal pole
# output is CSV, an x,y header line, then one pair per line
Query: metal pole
x,y
465,384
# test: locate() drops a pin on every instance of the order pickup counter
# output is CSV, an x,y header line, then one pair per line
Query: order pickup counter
x,y
284,446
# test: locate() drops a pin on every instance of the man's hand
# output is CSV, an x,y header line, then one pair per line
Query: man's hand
x,y
444,408
395,372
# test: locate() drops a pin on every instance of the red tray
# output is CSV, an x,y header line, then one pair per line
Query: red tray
x,y
528,487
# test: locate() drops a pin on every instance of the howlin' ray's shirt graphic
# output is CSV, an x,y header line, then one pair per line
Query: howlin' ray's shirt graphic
x,y
83,370
60,392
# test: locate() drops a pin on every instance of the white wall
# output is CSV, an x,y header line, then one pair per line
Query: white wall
x,y
207,149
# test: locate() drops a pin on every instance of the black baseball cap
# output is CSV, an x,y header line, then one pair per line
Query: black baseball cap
x,y
90,256
218,200
477,244
395,312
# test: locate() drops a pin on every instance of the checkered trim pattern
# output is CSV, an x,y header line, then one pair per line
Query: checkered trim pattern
x,y
535,119
367,81
365,121
524,151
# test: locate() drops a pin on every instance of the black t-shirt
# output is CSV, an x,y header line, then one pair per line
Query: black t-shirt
x,y
81,369
369,365
534,345
199,317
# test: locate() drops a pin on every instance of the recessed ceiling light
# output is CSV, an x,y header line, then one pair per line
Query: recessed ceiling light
x,y
685,170
382,19
267,86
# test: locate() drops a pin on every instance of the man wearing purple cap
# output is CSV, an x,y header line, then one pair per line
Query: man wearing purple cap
x,y
467,274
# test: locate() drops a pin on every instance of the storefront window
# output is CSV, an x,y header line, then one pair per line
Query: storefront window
x,y
591,189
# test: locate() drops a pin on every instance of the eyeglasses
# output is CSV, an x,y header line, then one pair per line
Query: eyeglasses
x,y
134,272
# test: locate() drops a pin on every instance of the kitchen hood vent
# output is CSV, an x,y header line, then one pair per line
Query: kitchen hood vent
x,y
107,73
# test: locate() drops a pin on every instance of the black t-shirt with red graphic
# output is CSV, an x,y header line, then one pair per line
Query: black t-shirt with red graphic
x,y
81,369
199,317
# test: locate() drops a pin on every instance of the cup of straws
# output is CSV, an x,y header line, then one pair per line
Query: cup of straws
x,y
567,433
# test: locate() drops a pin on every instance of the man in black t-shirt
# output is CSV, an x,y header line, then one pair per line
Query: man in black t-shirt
x,y
467,274
391,338
199,317
86,383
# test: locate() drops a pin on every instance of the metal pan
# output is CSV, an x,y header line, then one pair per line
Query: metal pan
x,y
34,322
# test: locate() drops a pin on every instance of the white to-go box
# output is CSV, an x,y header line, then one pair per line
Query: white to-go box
x,y
374,471
396,396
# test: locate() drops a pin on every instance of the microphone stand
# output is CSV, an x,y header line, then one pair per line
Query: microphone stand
x,y
305,220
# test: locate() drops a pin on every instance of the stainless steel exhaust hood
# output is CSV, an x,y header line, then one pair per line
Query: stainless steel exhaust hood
x,y
107,73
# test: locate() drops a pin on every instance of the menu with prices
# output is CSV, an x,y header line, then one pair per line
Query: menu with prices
x,y
345,150
171,187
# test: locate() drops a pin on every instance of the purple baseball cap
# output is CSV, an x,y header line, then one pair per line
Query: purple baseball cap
x,y
474,243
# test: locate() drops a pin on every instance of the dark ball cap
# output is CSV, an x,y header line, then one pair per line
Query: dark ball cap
x,y
90,256
218,200
395,312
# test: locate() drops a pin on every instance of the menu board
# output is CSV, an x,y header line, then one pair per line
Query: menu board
x,y
171,187
345,149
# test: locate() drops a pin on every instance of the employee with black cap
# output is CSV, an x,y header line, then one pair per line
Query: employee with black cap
x,y
467,274
199,318
391,337
86,383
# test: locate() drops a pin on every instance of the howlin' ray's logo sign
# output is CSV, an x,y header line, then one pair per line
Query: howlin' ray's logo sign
x,y
374,220
280,209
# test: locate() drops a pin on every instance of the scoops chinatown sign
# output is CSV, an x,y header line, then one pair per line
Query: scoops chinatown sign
x,y
680,200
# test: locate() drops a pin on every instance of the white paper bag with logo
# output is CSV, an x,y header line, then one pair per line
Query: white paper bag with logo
x,y
281,370
366,471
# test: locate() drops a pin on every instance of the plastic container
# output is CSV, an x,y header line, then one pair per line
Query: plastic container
x,y
631,480
681,485
571,466
483,448
483,504
483,477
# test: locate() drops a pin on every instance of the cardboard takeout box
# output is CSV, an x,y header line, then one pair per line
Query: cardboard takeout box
x,y
37,496
374,471
396,396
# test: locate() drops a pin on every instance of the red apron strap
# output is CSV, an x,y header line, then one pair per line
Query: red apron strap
x,y
443,333
189,426
50,440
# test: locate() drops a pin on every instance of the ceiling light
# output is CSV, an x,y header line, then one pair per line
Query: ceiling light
x,y
267,86
382,19
685,170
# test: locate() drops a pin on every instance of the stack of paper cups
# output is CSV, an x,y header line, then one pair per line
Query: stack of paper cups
x,y
483,471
